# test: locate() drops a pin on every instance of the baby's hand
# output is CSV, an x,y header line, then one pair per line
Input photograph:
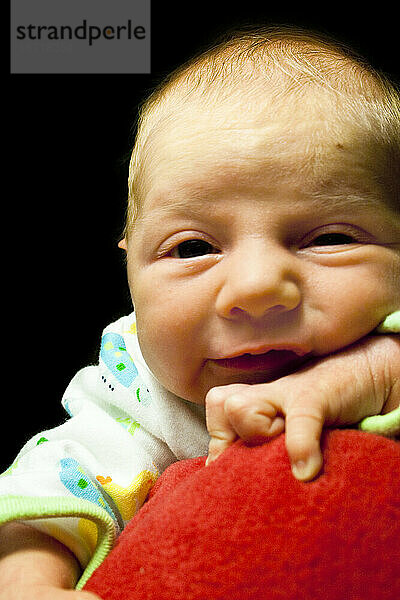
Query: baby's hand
x,y
34,566
359,381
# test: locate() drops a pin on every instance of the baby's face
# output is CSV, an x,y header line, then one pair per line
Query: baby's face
x,y
255,250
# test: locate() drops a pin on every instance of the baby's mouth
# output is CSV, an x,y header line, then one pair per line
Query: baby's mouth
x,y
272,362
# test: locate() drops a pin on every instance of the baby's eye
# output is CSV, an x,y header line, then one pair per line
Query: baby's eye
x,y
332,239
193,248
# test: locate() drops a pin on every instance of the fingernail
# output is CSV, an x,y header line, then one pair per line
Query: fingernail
x,y
299,469
305,470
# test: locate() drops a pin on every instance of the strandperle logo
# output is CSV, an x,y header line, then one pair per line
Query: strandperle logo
x,y
80,36
85,31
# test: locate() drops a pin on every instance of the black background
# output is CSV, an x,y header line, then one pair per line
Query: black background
x,y
68,151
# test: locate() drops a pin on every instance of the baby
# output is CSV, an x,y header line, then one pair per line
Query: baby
x,y
263,251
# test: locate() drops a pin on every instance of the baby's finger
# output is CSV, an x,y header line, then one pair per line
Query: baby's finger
x,y
218,445
303,431
220,429
252,415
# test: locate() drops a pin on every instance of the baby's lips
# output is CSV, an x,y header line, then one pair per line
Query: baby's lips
x,y
256,350
270,360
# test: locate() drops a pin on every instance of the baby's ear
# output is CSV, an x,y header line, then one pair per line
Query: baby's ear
x,y
122,244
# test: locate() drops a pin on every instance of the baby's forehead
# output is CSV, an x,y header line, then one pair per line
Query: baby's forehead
x,y
205,152
257,129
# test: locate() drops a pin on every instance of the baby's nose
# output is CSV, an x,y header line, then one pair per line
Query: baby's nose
x,y
267,282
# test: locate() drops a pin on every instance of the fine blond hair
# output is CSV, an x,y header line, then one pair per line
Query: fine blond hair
x,y
283,61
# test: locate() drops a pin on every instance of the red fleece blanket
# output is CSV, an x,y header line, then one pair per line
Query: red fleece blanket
x,y
244,529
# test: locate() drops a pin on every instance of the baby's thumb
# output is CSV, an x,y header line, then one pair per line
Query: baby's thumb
x,y
303,433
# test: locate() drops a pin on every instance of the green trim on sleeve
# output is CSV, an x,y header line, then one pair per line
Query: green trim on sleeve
x,y
388,424
13,508
391,324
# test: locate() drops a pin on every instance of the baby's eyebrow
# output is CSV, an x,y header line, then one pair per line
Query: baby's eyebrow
x,y
327,202
342,202
179,207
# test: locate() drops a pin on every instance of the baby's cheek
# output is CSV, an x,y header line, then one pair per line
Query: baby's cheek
x,y
390,282
349,321
163,354
372,291
396,277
